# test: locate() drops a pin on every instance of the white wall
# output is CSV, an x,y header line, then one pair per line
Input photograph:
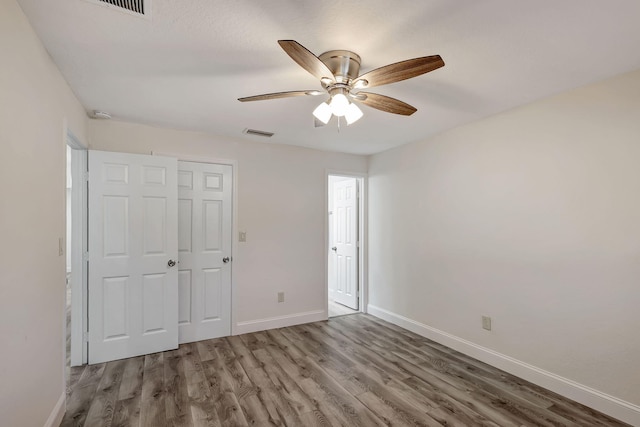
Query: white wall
x,y
35,101
531,217
281,206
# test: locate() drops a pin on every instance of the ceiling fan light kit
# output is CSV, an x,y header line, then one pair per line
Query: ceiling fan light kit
x,y
339,102
338,72
323,113
353,114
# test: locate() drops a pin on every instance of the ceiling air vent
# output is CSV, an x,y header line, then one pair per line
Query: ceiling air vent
x,y
258,133
134,7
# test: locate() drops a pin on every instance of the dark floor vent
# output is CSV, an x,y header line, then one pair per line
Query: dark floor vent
x,y
258,133
135,6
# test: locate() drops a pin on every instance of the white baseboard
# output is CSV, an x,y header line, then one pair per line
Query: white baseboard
x,y
55,418
279,321
610,405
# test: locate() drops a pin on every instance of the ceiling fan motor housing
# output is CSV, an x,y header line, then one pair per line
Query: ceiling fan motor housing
x,y
344,64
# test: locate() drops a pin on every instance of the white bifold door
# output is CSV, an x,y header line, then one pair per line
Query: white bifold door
x,y
345,242
133,255
204,244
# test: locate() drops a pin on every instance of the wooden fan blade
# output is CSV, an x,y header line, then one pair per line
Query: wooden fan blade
x,y
399,71
386,104
306,59
277,95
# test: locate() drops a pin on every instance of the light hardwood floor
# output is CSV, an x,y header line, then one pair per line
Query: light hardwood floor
x,y
351,371
336,309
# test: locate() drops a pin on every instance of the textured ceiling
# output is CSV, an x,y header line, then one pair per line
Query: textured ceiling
x,y
186,66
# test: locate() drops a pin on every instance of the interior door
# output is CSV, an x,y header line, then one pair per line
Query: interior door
x,y
133,247
204,218
345,243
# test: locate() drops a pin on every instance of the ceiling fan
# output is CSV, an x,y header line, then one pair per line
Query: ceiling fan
x,y
338,71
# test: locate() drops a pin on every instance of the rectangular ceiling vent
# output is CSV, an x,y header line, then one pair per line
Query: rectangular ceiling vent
x,y
258,133
134,7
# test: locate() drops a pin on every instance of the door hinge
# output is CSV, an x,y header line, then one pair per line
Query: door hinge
x,y
85,256
86,176
85,336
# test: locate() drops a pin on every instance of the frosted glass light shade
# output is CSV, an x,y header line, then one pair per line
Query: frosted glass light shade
x,y
323,113
339,104
352,114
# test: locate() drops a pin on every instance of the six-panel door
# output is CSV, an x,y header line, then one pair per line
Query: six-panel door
x,y
345,234
204,218
133,236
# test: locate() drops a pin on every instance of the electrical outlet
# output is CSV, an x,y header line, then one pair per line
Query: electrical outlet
x,y
280,296
486,323
242,236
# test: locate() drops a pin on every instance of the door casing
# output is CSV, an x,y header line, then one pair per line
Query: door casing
x,y
78,246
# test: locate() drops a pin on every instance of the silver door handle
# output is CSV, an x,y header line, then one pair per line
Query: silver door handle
x,y
335,249
171,263
226,259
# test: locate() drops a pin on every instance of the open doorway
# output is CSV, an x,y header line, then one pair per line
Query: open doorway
x,y
345,256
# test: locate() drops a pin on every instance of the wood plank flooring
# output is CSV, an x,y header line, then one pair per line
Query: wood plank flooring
x,y
349,371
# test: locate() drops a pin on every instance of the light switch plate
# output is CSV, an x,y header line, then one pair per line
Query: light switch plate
x,y
242,236
486,323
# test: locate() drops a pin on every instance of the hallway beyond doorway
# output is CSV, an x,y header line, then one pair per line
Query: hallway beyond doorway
x,y
336,309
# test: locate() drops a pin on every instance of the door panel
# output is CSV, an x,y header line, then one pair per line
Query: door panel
x,y
212,294
185,224
212,222
204,218
133,233
115,307
345,235
184,296
116,230
153,296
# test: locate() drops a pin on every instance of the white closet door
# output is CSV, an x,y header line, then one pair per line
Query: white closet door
x,y
345,234
204,217
133,245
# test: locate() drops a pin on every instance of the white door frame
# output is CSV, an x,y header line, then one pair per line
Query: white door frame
x,y
362,236
234,215
78,247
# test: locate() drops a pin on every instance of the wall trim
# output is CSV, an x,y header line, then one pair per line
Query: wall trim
x,y
55,418
279,321
610,405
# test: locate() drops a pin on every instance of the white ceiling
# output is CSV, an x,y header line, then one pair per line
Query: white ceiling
x,y
186,66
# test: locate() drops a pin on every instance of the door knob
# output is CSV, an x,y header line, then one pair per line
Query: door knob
x,y
171,263
226,259
335,249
